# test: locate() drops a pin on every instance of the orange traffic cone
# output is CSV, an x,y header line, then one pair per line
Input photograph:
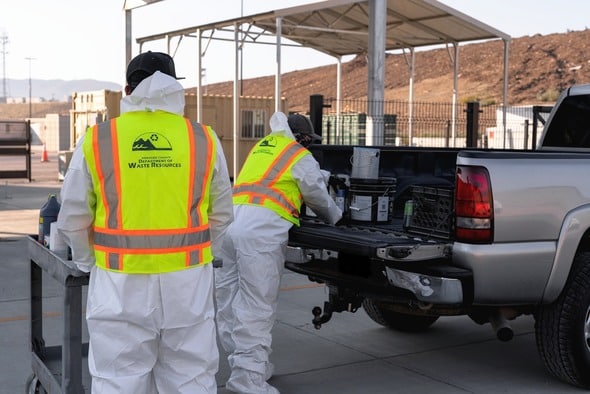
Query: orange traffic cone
x,y
44,154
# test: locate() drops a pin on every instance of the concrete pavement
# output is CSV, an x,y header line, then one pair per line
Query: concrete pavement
x,y
349,354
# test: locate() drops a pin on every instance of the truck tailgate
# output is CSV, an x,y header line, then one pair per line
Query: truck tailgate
x,y
385,242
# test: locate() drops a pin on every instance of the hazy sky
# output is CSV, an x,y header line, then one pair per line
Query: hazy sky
x,y
84,39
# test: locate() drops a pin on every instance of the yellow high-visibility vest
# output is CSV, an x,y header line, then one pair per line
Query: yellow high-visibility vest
x,y
266,180
152,174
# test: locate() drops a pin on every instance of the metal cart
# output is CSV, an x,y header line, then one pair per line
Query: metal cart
x,y
49,363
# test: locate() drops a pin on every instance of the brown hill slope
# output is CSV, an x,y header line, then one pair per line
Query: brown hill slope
x,y
539,68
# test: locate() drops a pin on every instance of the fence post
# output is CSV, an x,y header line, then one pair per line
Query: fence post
x,y
316,108
472,124
526,134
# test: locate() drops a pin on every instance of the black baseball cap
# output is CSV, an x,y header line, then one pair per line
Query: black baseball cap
x,y
147,63
301,124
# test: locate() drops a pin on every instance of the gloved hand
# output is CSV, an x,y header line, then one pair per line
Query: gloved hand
x,y
337,183
341,222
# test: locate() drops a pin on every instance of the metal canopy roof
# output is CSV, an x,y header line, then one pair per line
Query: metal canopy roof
x,y
341,27
346,27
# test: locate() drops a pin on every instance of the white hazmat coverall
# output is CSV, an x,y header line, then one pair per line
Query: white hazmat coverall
x,y
247,285
148,333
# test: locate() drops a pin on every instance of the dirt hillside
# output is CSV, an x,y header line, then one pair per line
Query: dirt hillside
x,y
539,68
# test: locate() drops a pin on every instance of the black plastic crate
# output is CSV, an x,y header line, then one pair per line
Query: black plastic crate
x,y
432,211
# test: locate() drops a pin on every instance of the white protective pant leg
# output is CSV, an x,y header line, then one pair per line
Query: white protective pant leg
x,y
247,288
254,308
226,286
226,283
152,333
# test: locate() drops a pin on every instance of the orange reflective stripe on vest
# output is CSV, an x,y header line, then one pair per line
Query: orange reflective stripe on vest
x,y
263,189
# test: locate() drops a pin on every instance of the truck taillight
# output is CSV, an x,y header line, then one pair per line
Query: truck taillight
x,y
473,205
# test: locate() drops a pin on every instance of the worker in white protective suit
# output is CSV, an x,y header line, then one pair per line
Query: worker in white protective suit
x,y
277,177
146,201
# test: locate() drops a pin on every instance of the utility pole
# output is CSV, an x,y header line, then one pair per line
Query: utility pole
x,y
30,87
4,41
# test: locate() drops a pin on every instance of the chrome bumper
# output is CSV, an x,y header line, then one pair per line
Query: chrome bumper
x,y
427,288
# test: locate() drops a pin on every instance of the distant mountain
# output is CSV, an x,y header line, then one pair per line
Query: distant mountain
x,y
54,89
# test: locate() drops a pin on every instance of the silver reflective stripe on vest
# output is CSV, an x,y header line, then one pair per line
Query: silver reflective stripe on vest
x,y
267,192
202,167
144,241
265,186
284,159
113,261
106,161
195,257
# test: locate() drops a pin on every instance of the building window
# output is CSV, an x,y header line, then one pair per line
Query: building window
x,y
253,123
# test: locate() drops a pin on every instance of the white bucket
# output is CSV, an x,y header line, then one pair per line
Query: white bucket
x,y
365,163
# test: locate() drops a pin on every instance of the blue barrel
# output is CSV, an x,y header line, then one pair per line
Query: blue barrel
x,y
47,215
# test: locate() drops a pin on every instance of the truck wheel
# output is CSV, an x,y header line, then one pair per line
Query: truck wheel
x,y
563,328
380,314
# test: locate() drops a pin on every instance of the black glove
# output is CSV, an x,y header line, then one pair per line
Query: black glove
x,y
341,222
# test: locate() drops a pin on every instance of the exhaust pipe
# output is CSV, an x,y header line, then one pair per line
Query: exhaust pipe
x,y
501,327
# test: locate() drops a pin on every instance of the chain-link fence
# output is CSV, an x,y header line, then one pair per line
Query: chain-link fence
x,y
432,124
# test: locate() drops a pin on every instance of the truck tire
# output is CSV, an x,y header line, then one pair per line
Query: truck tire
x,y
562,328
397,320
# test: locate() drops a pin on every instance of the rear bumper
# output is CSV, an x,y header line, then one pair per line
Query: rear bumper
x,y
427,288
431,282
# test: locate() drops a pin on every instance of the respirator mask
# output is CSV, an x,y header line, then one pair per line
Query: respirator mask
x,y
302,130
303,139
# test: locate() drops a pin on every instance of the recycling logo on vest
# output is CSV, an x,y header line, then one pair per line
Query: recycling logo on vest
x,y
152,142
266,146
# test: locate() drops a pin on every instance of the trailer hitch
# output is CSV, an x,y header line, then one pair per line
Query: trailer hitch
x,y
338,301
319,318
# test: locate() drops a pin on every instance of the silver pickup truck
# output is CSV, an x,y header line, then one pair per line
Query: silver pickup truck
x,y
490,234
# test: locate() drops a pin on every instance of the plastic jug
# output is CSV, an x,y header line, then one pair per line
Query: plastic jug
x,y
47,215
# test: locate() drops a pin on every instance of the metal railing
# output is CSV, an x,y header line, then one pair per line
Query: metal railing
x,y
15,142
432,124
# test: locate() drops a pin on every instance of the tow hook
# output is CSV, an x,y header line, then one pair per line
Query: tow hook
x,y
319,318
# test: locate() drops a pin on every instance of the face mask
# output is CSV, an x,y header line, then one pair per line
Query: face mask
x,y
303,139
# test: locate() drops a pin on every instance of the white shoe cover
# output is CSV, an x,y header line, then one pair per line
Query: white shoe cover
x,y
249,382
270,370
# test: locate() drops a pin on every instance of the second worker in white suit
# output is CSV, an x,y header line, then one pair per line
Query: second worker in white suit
x,y
278,176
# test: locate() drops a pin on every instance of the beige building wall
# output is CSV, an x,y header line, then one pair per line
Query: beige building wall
x,y
218,113
90,108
